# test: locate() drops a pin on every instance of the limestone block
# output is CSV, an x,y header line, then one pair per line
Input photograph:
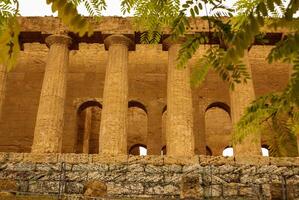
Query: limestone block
x,y
153,169
252,160
191,188
169,189
76,176
90,167
74,187
3,157
136,168
215,160
181,160
95,189
97,176
40,158
8,185
15,157
74,158
143,177
213,191
172,168
230,189
284,161
150,159
120,159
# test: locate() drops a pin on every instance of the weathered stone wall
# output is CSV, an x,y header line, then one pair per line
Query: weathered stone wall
x,y
150,176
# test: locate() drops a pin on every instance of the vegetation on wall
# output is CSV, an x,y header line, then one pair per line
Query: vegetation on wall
x,y
242,26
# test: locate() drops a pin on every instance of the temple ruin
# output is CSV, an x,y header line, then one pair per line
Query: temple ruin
x,y
85,107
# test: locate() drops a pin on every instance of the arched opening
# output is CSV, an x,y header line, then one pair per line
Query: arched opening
x,y
138,150
163,151
217,125
137,127
228,151
88,127
208,151
265,150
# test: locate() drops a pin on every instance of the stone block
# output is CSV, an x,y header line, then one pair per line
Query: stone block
x,y
3,157
169,189
215,160
172,178
44,187
150,159
246,191
120,159
172,168
136,168
230,189
74,158
190,187
76,176
153,169
90,167
95,189
94,175
8,185
74,187
181,160
142,177
252,160
284,161
213,191
125,189
115,177
40,158
118,168
193,169
48,167
22,166
15,157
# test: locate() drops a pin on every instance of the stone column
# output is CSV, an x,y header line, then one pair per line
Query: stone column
x,y
179,123
3,76
154,135
113,129
240,98
50,116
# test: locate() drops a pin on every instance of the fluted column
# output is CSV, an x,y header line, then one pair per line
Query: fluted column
x,y
50,116
179,123
154,135
240,98
113,130
3,76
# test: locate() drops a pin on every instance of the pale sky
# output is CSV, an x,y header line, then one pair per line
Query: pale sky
x,y
40,8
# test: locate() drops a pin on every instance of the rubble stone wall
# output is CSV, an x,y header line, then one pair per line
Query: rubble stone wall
x,y
151,176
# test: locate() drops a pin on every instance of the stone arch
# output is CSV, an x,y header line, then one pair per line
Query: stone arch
x,y
88,126
137,124
137,104
221,105
218,127
163,150
136,149
208,151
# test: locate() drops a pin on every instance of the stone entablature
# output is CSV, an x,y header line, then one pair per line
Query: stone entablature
x,y
150,176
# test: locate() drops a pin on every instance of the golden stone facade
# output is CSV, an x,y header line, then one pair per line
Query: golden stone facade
x,y
108,94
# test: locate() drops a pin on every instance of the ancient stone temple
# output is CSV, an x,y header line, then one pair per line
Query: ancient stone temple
x,y
79,113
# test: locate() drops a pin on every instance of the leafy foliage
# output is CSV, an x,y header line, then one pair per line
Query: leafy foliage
x,y
9,32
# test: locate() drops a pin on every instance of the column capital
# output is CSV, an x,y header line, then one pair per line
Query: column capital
x,y
60,39
168,42
118,39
